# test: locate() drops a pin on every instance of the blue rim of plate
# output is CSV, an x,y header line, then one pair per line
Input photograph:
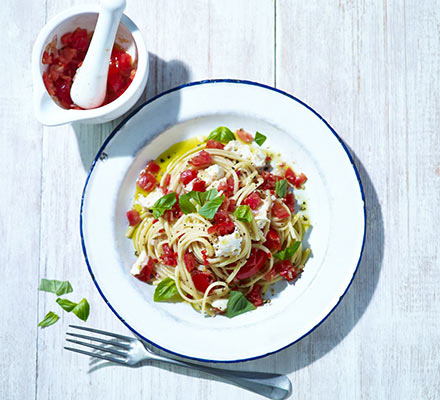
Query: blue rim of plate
x,y
197,83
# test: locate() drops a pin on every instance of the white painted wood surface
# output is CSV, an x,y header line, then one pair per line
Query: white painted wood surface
x,y
371,69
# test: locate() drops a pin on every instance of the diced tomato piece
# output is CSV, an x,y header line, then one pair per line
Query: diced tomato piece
x,y
175,211
289,201
187,176
296,181
133,217
152,167
224,228
244,136
271,275
254,296
227,187
202,280
255,262
279,211
213,144
205,258
167,179
79,39
221,216
273,240
199,185
190,261
147,181
201,160
49,84
66,38
228,205
300,180
287,270
169,256
47,58
270,180
67,54
146,272
253,200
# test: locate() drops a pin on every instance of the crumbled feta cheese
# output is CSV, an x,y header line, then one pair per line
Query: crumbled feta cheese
x,y
221,304
212,174
254,155
150,199
201,268
260,214
139,263
228,245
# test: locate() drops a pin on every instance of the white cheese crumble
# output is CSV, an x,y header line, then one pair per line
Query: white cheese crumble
x,y
150,199
260,214
228,245
139,263
254,155
215,172
221,304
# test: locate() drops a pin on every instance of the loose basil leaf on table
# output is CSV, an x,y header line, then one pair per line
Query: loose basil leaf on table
x,y
54,286
238,304
222,135
82,310
66,305
49,319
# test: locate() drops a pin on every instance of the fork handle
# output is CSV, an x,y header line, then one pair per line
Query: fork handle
x,y
273,386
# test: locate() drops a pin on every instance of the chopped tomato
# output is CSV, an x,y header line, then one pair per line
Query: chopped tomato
x,y
79,39
175,211
146,272
205,258
289,201
190,261
244,136
254,296
201,160
67,54
147,181
255,262
202,280
279,211
199,185
133,217
271,275
270,180
223,224
227,187
295,180
152,167
167,179
228,205
169,256
187,176
287,270
253,200
273,240
213,144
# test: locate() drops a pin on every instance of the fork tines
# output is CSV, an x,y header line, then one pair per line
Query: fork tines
x,y
114,350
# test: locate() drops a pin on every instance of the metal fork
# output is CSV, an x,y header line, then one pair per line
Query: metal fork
x,y
131,352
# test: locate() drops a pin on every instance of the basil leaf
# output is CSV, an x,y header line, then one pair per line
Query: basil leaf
x,y
288,252
222,134
238,304
243,213
165,290
201,198
57,287
259,138
49,319
281,188
164,203
66,305
209,209
82,310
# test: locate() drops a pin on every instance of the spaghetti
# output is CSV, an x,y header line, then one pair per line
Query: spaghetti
x,y
216,226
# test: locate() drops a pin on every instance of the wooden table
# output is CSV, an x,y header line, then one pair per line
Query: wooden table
x,y
370,68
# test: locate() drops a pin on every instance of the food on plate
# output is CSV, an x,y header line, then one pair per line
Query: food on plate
x,y
215,223
62,64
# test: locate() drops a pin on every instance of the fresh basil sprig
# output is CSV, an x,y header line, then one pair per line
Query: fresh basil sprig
x,y
49,319
209,209
243,213
222,135
281,188
288,252
259,138
200,198
165,290
54,286
81,309
164,203
238,304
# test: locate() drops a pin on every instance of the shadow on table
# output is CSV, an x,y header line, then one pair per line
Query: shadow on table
x,y
163,75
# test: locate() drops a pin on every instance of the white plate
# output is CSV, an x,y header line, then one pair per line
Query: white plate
x,y
335,206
